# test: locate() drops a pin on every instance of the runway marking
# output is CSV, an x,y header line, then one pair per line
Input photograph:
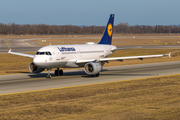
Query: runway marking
x,y
86,85
30,44
7,44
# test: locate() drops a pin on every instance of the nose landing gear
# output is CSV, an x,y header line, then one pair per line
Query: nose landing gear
x,y
49,74
56,72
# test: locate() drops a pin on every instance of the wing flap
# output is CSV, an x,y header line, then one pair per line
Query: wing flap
x,y
85,60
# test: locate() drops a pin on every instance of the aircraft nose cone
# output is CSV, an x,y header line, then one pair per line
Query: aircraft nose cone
x,y
37,61
40,61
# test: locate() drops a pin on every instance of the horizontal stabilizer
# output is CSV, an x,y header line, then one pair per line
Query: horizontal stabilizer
x,y
126,48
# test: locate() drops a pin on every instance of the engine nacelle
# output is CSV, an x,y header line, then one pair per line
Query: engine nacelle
x,y
35,69
92,68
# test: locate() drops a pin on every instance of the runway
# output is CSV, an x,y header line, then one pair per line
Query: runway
x,y
31,82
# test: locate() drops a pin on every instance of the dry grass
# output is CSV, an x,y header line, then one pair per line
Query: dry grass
x,y
151,99
79,35
96,41
13,64
128,39
45,36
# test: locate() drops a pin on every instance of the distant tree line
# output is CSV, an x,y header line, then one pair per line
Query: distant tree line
x,y
121,28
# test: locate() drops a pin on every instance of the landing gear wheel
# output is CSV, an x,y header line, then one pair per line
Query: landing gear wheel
x,y
56,72
60,72
48,76
97,75
49,73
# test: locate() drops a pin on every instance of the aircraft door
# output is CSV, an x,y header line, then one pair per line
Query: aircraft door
x,y
57,55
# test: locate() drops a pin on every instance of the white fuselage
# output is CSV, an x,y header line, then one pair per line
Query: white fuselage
x,y
60,56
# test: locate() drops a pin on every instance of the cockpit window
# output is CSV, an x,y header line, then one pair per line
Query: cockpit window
x,y
43,53
37,53
48,53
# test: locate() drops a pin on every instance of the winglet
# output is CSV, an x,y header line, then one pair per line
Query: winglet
x,y
9,51
169,54
107,36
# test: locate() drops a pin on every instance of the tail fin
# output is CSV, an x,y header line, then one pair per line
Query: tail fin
x,y
107,36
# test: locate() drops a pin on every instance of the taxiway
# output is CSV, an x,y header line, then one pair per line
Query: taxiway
x,y
32,82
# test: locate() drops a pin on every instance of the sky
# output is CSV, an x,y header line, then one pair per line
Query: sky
x,y
90,12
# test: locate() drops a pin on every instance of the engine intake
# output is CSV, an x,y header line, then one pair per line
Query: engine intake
x,y
35,69
92,68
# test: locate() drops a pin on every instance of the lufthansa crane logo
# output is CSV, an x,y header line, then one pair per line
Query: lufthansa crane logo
x,y
109,29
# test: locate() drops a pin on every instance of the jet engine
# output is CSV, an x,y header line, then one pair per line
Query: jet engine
x,y
92,68
35,69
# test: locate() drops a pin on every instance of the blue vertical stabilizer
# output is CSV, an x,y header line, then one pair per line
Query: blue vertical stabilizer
x,y
107,36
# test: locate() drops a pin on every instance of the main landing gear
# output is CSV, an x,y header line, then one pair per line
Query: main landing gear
x,y
58,72
96,75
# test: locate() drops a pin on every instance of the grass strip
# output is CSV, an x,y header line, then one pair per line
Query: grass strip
x,y
150,98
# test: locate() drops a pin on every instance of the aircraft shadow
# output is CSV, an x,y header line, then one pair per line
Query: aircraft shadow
x,y
88,76
39,75
83,74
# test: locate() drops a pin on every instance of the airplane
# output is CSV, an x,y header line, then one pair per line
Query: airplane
x,y
91,56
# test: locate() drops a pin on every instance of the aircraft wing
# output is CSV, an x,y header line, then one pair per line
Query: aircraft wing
x,y
21,54
132,57
121,58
